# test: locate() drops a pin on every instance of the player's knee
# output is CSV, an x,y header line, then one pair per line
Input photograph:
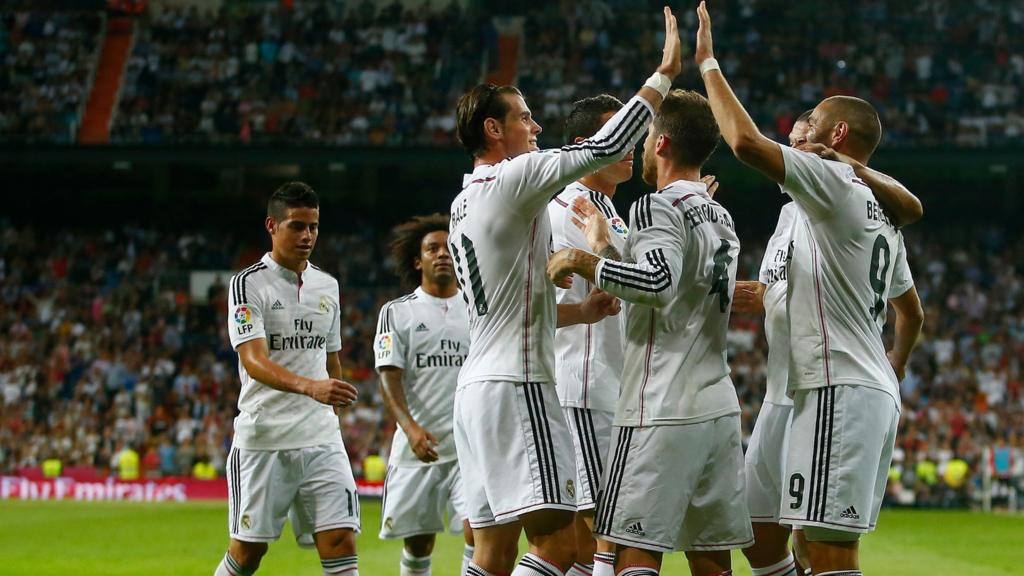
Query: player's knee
x,y
248,554
336,543
818,534
420,546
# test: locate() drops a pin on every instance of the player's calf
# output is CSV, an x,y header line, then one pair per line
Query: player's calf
x,y
416,555
337,549
241,559
552,537
770,553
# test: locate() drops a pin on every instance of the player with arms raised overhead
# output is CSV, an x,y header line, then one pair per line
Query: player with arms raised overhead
x,y
675,478
284,320
514,447
847,260
422,340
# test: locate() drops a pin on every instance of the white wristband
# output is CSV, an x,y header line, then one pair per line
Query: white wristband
x,y
659,82
707,65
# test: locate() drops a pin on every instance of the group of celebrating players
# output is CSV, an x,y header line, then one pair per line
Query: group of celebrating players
x,y
559,373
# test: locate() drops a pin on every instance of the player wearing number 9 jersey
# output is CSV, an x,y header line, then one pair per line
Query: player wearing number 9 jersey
x,y
847,262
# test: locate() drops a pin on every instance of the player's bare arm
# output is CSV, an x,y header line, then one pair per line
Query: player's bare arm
x,y
902,206
738,129
392,390
256,360
597,306
909,319
748,298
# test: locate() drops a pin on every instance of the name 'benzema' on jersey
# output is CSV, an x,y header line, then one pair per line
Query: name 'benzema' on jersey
x,y
300,319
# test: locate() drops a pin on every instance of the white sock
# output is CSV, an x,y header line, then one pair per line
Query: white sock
x,y
638,571
414,565
347,565
467,559
230,567
533,565
604,564
578,569
474,570
784,567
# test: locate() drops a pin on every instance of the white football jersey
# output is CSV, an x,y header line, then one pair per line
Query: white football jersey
x,y
428,339
776,321
300,318
678,293
501,238
588,357
847,261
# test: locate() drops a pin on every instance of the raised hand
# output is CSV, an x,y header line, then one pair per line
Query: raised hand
x,y
748,297
704,49
672,55
332,392
592,223
711,182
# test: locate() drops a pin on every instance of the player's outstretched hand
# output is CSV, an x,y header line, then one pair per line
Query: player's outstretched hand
x,y
672,54
592,223
704,49
598,305
560,268
422,443
332,392
748,298
711,182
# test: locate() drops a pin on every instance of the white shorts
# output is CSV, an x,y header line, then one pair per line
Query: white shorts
x,y
676,488
263,484
515,451
591,437
417,498
840,448
766,460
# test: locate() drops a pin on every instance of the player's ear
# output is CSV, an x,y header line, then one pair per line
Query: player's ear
x,y
661,145
271,225
840,133
492,128
417,263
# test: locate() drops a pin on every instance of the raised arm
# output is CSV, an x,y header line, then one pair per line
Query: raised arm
x,y
738,129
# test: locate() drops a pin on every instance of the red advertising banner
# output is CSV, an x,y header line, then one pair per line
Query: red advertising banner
x,y
149,490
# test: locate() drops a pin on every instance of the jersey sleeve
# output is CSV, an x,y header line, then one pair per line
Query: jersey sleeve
x,y
902,279
334,335
781,237
533,178
388,344
656,248
565,234
245,311
815,184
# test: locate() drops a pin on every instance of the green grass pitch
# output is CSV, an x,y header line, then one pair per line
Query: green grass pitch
x,y
114,538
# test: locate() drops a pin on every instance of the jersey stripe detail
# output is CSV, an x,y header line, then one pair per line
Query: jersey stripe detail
x,y
826,355
830,394
610,497
583,438
387,315
619,140
815,450
653,320
529,301
595,199
238,293
542,442
528,562
655,279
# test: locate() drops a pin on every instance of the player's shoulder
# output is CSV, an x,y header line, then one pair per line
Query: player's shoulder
x,y
402,302
244,281
321,276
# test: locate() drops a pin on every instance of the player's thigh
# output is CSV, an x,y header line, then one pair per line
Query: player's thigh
x,y
517,448
765,461
717,518
651,475
327,498
415,498
261,487
591,437
840,446
456,498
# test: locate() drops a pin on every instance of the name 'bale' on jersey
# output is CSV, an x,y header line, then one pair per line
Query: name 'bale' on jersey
x,y
300,318
428,339
773,273
847,261
678,297
588,357
500,239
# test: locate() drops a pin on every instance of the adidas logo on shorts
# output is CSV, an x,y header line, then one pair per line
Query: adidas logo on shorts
x,y
422,328
277,305
636,529
850,513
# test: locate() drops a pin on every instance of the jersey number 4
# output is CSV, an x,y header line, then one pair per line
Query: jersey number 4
x,y
473,268
720,276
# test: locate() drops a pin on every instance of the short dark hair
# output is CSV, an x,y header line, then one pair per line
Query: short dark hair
x,y
406,241
861,117
291,195
804,117
584,119
685,117
483,101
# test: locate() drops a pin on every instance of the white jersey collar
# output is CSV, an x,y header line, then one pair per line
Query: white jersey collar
x,y
688,186
282,271
421,293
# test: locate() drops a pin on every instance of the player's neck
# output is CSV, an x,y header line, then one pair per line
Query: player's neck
x,y
438,290
596,184
295,265
492,156
668,174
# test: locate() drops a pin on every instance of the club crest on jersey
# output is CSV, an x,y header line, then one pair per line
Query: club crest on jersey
x,y
619,227
246,521
325,305
383,345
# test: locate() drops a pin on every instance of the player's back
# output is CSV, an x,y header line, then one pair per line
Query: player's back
x,y
675,368
847,261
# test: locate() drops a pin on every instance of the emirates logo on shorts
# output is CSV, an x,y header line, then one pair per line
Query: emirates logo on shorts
x,y
570,488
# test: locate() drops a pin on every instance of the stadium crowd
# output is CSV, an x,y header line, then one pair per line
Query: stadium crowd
x,y
105,348
362,73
